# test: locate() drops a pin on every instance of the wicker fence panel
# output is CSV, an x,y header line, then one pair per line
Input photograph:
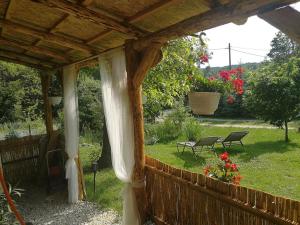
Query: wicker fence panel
x,y
20,158
179,197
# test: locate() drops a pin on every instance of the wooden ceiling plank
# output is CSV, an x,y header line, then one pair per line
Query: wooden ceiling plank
x,y
8,12
285,19
221,15
82,12
151,9
60,40
60,21
138,16
35,49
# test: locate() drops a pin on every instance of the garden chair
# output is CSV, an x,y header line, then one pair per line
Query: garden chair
x,y
208,142
234,138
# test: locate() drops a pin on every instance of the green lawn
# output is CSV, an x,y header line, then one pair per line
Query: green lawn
x,y
267,163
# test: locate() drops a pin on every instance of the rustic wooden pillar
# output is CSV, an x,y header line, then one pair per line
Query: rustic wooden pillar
x,y
45,80
137,65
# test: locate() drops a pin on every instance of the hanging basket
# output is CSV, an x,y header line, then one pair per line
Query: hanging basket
x,y
204,103
55,100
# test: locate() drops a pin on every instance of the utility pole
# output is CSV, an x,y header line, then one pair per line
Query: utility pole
x,y
229,49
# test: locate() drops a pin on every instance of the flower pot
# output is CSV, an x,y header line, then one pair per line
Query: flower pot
x,y
55,100
204,103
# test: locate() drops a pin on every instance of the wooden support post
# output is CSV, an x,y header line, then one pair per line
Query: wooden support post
x,y
137,65
45,80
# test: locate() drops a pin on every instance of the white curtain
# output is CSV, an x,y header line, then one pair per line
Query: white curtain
x,y
119,126
71,128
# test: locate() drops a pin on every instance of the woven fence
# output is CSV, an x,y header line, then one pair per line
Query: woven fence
x,y
179,197
20,158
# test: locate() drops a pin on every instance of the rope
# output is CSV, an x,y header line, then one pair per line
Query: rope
x,y
9,199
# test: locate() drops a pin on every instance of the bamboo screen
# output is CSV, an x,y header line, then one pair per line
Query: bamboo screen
x,y
20,158
179,197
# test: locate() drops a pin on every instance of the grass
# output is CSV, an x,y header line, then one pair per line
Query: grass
x,y
267,163
108,187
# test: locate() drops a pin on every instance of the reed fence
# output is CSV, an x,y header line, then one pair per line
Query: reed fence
x,y
179,197
20,158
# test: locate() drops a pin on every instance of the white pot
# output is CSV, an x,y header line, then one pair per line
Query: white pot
x,y
204,103
55,100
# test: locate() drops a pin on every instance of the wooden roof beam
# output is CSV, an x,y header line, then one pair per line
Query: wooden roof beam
x,y
80,11
41,51
285,19
26,58
32,65
233,11
60,40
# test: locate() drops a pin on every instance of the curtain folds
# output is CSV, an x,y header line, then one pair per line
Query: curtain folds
x,y
119,126
71,127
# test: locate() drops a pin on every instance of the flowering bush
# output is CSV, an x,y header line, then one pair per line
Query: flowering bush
x,y
225,171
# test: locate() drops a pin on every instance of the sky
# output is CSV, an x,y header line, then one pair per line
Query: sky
x,y
254,37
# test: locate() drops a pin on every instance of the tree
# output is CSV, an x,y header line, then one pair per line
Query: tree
x,y
282,48
169,81
20,93
274,91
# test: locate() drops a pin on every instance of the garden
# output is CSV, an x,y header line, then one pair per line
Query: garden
x,y
263,101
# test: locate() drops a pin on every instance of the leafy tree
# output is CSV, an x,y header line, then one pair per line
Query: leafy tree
x,y
274,91
20,93
168,82
89,100
282,48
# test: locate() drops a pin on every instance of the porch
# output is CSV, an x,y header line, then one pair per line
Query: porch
x,y
59,36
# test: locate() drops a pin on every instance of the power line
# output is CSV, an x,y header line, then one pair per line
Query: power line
x,y
248,53
255,49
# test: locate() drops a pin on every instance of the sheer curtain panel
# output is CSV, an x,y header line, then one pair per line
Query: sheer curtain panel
x,y
119,126
71,128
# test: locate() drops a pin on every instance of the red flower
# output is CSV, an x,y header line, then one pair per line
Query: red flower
x,y
238,85
224,156
212,78
206,170
234,167
227,165
204,59
237,179
225,75
230,100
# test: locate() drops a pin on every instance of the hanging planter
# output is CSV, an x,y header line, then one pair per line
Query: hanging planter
x,y
204,103
55,100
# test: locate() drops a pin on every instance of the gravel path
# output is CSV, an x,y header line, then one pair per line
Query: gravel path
x,y
40,209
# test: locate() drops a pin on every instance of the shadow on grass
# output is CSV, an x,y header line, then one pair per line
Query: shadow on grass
x,y
190,160
250,151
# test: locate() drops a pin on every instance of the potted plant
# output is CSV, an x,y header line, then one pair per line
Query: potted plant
x,y
206,92
205,95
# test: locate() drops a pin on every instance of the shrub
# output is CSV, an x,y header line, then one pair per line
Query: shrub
x,y
191,129
151,136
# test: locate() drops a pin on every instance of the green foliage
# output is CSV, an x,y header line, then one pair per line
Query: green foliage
x,y
192,129
202,84
6,217
168,82
91,115
168,130
20,93
282,48
274,91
